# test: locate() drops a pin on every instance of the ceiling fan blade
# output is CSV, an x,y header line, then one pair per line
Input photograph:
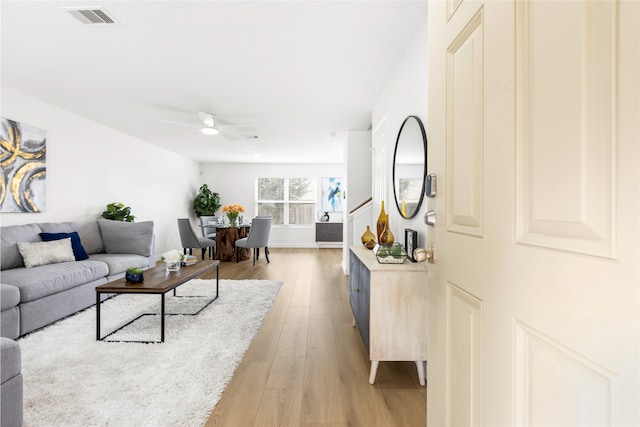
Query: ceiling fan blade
x,y
179,123
226,129
221,121
241,129
217,119
229,134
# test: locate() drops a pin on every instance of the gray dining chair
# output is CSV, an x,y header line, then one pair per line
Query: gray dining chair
x,y
208,230
258,238
190,240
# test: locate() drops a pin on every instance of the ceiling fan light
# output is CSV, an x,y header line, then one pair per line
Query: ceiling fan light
x,y
209,131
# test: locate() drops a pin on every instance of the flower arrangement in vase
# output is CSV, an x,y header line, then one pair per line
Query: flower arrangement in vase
x,y
173,260
232,211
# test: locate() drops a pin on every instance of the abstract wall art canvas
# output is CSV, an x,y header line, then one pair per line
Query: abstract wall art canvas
x,y
23,162
332,194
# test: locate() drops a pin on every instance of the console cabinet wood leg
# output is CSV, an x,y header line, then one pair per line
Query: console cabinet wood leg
x,y
421,376
376,363
374,371
389,303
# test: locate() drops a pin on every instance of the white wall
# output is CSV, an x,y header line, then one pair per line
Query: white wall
x,y
358,168
404,94
236,184
90,165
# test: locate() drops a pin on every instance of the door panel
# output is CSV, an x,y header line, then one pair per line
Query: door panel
x,y
464,358
534,302
565,112
464,129
556,386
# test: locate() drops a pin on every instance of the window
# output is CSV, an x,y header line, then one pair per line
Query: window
x,y
290,201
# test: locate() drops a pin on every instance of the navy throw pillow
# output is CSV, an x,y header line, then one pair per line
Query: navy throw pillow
x,y
78,250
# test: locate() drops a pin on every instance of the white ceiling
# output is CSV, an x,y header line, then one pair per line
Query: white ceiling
x,y
297,71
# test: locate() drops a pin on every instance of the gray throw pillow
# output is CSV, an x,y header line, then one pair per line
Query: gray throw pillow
x,y
12,234
126,237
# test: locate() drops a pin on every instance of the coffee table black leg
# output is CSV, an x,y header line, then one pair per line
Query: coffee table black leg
x,y
162,319
97,316
217,278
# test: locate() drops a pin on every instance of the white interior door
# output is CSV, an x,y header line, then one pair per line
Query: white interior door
x,y
534,135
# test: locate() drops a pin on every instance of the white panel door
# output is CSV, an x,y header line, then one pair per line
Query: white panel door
x,y
534,124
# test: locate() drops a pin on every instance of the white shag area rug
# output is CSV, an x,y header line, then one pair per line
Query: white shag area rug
x,y
70,379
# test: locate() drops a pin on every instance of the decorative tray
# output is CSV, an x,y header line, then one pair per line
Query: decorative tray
x,y
391,254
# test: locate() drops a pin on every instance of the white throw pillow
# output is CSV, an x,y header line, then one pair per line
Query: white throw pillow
x,y
41,253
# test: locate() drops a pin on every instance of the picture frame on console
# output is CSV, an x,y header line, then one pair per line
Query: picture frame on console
x,y
410,242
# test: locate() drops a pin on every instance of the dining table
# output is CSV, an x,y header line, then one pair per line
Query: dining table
x,y
226,237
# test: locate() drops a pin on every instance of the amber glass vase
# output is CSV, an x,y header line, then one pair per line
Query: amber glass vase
x,y
368,239
382,224
387,236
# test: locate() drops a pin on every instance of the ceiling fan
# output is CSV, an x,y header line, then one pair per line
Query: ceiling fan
x,y
212,124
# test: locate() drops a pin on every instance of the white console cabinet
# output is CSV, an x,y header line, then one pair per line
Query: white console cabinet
x,y
389,305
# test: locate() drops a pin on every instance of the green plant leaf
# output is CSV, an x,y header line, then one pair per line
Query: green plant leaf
x,y
118,212
206,202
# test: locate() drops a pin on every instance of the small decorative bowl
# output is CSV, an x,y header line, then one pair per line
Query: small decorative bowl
x,y
133,277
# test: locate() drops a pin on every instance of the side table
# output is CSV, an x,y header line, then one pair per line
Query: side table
x,y
225,243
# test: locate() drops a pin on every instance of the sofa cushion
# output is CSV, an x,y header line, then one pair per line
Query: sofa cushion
x,y
42,253
10,323
78,250
11,359
38,282
10,315
126,237
118,263
11,235
89,233
9,296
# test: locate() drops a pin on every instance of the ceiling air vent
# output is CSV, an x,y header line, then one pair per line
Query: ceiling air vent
x,y
92,16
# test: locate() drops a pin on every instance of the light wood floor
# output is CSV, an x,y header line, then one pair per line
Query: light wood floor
x,y
307,365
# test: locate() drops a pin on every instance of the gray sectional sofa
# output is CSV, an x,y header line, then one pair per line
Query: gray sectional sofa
x,y
52,291
50,271
11,392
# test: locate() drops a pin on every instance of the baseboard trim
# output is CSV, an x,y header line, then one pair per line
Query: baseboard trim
x,y
314,245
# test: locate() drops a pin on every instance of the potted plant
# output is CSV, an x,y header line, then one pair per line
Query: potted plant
x,y
391,254
206,202
134,275
118,212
